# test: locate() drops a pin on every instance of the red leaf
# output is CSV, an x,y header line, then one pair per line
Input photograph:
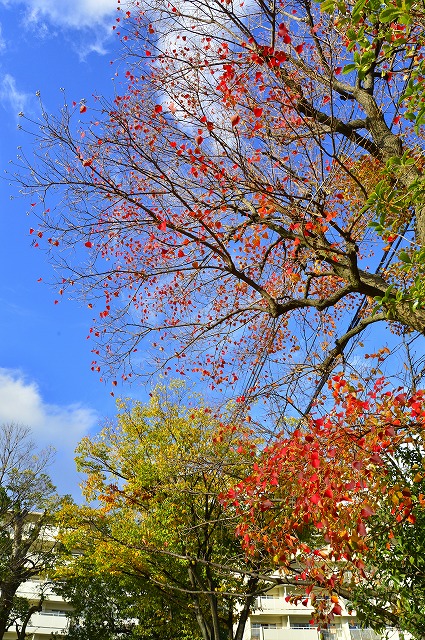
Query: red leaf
x,y
163,226
88,244
266,504
258,112
283,33
235,120
31,231
158,108
83,108
315,498
367,511
337,610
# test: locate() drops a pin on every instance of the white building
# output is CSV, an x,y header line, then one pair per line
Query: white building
x,y
273,618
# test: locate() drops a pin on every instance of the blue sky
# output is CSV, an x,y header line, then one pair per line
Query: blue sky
x,y
45,377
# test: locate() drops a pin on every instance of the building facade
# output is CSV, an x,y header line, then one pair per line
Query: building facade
x,y
274,618
52,617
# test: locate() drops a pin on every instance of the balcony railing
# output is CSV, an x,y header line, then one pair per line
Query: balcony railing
x,y
364,634
277,604
297,633
47,623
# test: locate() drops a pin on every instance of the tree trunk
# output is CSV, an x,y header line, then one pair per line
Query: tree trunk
x,y
200,618
7,594
252,584
390,146
212,599
21,633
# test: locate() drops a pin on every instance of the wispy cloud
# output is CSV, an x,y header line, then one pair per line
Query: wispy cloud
x,y
2,40
77,14
89,21
10,96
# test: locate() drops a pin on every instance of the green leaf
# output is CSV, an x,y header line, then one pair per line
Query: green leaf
x,y
389,14
349,67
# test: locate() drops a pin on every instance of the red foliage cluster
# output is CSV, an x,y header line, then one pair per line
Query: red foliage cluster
x,y
331,476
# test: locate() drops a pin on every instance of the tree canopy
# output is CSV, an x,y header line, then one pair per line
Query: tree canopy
x,y
221,203
353,525
156,520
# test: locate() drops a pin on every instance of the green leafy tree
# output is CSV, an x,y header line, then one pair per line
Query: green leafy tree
x,y
109,607
394,593
28,507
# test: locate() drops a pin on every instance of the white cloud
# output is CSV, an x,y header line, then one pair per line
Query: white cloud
x,y
11,96
67,13
61,426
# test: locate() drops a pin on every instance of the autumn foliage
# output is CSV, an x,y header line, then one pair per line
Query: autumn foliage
x,y
243,212
322,499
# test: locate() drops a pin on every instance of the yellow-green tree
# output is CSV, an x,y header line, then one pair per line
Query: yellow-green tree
x,y
153,511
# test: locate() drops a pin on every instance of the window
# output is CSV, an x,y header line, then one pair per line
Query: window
x,y
54,612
